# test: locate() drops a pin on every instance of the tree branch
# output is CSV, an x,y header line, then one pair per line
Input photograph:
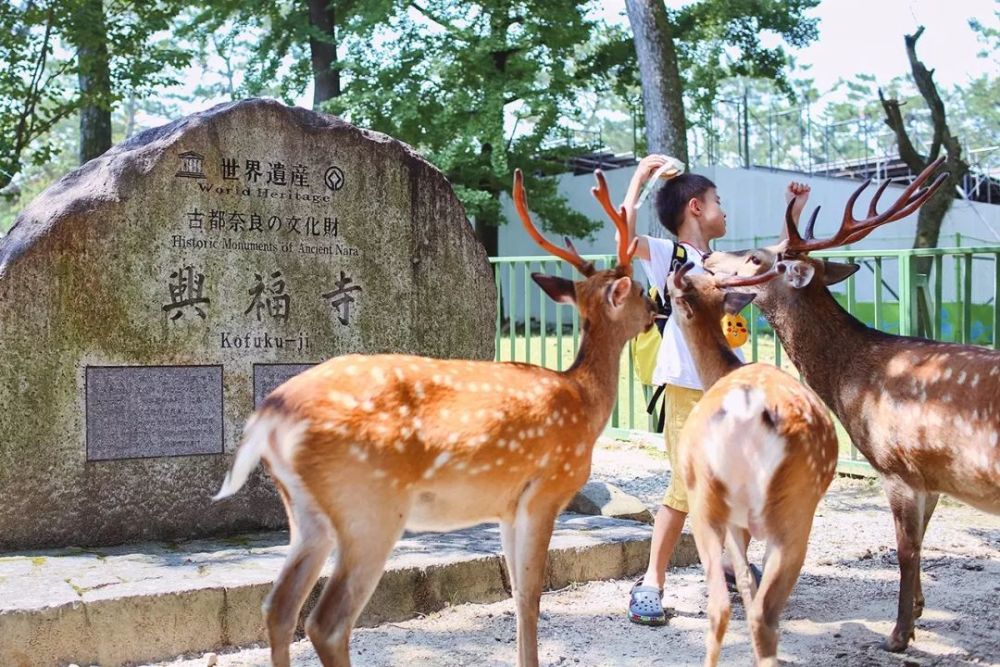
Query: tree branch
x,y
894,119
925,84
457,32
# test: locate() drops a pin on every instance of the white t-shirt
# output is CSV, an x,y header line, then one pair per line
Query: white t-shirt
x,y
674,364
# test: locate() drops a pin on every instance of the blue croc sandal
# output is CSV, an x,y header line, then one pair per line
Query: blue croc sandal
x,y
645,605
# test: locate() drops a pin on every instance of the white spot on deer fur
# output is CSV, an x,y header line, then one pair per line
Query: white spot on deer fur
x,y
995,371
441,459
994,438
975,380
400,446
573,418
378,375
459,466
543,461
367,405
961,377
445,413
398,372
452,438
499,462
346,400
378,473
514,445
947,374
567,467
357,452
580,449
464,418
351,370
418,389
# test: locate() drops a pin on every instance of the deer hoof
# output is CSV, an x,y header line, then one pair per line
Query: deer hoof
x,y
898,641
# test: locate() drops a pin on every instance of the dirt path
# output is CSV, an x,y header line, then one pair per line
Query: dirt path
x,y
842,606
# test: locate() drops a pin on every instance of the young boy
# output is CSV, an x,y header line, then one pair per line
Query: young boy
x,y
690,208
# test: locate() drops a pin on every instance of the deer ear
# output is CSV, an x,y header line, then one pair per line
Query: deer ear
x,y
798,273
559,289
734,302
834,272
616,292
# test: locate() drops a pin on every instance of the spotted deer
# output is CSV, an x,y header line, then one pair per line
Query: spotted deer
x,y
362,447
757,452
925,414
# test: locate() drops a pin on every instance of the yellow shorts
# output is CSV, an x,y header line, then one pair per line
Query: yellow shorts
x,y
677,404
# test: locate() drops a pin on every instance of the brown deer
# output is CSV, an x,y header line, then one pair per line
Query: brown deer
x,y
757,452
363,447
925,414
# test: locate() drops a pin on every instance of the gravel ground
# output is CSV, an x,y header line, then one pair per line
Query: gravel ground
x,y
841,608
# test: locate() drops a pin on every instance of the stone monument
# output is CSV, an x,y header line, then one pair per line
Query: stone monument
x,y
151,298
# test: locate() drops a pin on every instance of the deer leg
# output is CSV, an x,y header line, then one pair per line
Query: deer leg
x,y
311,542
908,511
709,543
918,596
365,539
736,545
782,571
508,545
533,527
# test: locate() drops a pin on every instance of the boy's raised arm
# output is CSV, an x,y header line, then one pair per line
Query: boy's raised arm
x,y
647,167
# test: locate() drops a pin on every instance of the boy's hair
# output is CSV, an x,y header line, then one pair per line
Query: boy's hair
x,y
674,195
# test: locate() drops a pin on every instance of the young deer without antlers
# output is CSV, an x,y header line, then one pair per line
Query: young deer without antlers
x,y
925,414
361,447
757,452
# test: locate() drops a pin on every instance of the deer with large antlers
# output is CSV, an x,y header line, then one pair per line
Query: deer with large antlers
x,y
758,451
363,447
925,414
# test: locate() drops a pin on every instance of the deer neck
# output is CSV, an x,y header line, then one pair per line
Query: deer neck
x,y
827,344
713,358
597,363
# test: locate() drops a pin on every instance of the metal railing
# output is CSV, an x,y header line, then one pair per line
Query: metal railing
x,y
961,293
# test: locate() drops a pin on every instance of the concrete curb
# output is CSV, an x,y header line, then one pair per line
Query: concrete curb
x,y
159,625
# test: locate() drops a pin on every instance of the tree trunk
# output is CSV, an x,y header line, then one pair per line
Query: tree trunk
x,y
489,236
934,209
94,80
662,90
326,75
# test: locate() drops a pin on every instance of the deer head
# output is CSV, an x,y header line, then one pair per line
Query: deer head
x,y
800,270
610,295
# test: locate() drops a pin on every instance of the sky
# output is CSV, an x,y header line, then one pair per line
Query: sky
x,y
866,36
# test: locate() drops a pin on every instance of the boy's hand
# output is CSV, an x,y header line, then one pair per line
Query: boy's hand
x,y
800,193
648,166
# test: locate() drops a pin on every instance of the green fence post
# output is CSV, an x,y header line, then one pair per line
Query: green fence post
x,y
878,292
996,300
496,337
938,295
906,295
967,301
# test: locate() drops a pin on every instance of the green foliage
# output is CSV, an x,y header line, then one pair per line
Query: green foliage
x,y
478,88
721,39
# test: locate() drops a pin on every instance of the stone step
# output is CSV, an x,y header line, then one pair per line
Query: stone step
x,y
148,602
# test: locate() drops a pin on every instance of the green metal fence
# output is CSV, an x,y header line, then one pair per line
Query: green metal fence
x,y
961,293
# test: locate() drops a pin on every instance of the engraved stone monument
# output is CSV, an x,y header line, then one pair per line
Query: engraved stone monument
x,y
150,299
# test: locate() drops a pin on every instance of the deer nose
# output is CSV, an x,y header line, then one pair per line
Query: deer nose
x,y
706,255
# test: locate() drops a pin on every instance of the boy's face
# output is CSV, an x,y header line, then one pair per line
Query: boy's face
x,y
713,218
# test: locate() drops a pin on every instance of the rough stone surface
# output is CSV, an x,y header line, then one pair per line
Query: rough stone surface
x,y
164,252
603,499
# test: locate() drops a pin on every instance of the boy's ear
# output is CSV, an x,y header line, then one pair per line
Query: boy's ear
x,y
616,292
834,272
559,289
734,302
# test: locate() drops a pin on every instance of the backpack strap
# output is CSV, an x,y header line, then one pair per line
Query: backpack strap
x,y
677,260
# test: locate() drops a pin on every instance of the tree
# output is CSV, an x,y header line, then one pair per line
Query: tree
x,y
33,95
689,52
478,88
934,209
88,31
662,90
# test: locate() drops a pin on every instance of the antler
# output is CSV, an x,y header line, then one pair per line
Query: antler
x,y
603,195
852,229
681,280
570,255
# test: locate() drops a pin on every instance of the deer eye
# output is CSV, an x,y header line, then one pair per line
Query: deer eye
x,y
753,260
